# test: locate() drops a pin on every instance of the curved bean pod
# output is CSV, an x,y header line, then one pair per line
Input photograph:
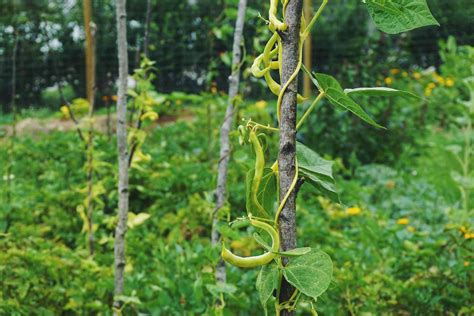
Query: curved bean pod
x,y
255,261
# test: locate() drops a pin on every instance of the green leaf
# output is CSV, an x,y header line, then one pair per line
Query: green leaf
x,y
310,273
135,220
128,299
266,283
261,242
317,171
132,93
221,287
398,16
380,92
265,194
336,96
294,252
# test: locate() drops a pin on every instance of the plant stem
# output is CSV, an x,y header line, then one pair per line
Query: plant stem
x,y
309,110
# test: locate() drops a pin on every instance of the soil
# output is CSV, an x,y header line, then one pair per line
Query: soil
x,y
34,126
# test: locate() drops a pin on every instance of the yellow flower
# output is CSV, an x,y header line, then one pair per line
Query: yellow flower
x,y
128,267
261,104
353,211
463,229
394,71
65,111
403,221
416,75
467,263
428,91
388,81
179,102
404,74
114,98
214,90
449,82
390,184
411,229
431,85
468,236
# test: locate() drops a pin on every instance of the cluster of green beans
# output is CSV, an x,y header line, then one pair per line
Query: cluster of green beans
x,y
271,59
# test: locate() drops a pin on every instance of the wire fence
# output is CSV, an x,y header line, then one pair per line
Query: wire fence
x,y
189,41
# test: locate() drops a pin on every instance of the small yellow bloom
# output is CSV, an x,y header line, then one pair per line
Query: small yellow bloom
x,y
179,102
65,111
394,71
467,263
468,236
214,90
403,221
463,229
388,81
353,211
128,267
449,82
428,91
411,229
114,98
404,74
261,104
416,75
390,184
431,85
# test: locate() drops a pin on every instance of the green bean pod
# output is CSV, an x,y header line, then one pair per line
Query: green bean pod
x,y
259,166
255,261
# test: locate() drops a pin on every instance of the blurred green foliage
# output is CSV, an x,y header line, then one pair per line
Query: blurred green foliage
x,y
397,242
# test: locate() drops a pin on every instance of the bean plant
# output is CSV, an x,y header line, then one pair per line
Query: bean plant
x,y
307,269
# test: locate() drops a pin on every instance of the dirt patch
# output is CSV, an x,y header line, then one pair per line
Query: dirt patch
x,y
33,126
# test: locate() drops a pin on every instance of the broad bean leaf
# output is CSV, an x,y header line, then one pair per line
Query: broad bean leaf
x,y
396,16
336,96
310,273
317,171
266,283
380,92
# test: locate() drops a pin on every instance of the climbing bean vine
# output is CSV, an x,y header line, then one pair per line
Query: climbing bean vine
x,y
308,270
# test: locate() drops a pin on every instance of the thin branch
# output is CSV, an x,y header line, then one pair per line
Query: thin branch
x,y
224,154
123,204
